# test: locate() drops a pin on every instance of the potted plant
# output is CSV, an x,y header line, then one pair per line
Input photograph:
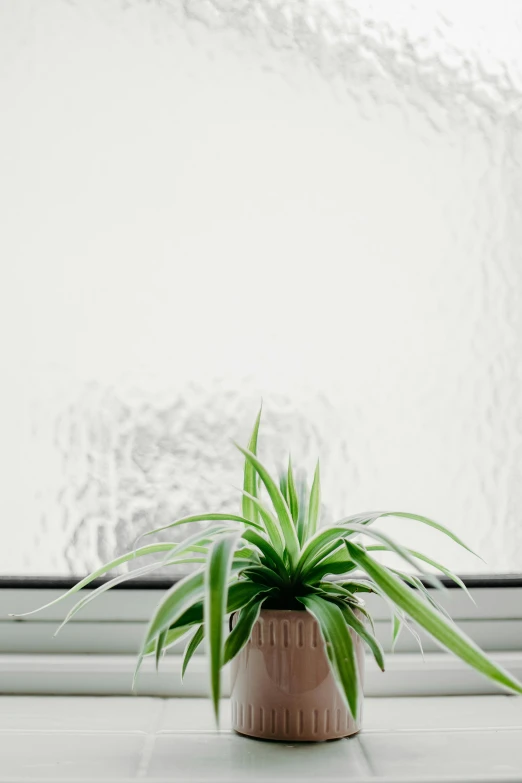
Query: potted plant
x,y
294,594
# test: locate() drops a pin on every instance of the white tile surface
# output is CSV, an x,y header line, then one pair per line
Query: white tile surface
x,y
444,754
58,756
469,739
225,756
89,713
442,712
194,715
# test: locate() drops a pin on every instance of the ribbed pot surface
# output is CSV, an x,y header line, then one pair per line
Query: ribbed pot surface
x,y
282,686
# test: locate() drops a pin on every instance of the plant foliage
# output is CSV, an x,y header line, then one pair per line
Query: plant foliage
x,y
276,553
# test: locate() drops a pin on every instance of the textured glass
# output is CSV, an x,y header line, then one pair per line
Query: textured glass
x,y
206,203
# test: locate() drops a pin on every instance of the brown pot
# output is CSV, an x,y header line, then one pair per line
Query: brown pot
x,y
282,686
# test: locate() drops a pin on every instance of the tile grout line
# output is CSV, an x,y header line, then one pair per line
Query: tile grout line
x,y
444,730
366,757
197,731
365,732
362,758
150,741
68,732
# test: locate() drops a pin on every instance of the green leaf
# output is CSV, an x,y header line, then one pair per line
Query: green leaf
x,y
397,549
268,551
397,625
315,503
283,513
191,648
293,502
364,611
175,603
271,525
429,561
266,576
392,545
415,582
192,542
357,586
160,642
283,484
323,552
203,518
373,516
247,554
447,634
313,552
327,541
318,573
406,623
173,635
335,590
431,523
216,578
138,572
250,479
302,517
329,538
337,563
142,552
339,648
353,621
239,594
240,633
443,570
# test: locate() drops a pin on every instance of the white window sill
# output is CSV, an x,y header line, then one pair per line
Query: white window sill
x,y
465,738
407,674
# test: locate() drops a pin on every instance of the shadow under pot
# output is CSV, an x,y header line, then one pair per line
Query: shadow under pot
x,y
282,685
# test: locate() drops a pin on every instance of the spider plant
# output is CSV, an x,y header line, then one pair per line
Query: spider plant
x,y
275,554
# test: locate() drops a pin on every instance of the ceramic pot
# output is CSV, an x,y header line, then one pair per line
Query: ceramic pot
x,y
282,686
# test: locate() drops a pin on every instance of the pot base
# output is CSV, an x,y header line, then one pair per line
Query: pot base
x,y
292,722
292,740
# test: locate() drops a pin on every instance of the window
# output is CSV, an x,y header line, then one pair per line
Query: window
x,y
314,206
201,210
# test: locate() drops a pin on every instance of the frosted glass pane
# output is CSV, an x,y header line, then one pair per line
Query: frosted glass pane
x,y
204,204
